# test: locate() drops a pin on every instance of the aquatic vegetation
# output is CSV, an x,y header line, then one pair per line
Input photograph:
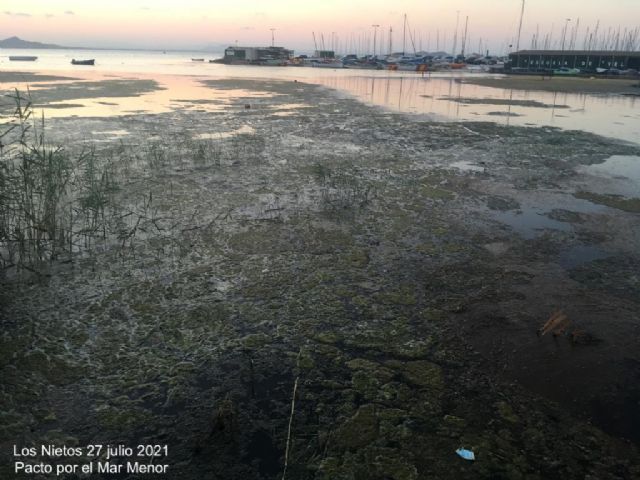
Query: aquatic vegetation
x,y
266,301
614,201
56,201
35,188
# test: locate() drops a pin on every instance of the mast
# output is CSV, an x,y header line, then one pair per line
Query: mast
x,y
464,39
390,40
315,44
455,34
404,35
520,27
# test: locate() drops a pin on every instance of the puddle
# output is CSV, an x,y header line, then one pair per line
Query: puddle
x,y
291,106
579,255
530,222
245,129
618,175
467,166
625,166
112,133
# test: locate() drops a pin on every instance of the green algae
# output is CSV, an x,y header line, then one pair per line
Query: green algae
x,y
614,201
170,342
404,295
506,412
359,430
421,373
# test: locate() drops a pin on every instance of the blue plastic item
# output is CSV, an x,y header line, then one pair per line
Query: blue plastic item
x,y
466,454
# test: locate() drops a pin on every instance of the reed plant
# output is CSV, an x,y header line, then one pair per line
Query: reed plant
x,y
50,199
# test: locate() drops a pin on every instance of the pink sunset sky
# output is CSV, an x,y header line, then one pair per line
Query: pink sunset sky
x,y
346,24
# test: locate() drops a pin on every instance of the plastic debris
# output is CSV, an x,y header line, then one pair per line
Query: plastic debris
x,y
466,454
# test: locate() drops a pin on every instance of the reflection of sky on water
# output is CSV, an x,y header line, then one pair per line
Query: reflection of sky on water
x,y
530,222
434,95
618,175
608,115
176,92
627,166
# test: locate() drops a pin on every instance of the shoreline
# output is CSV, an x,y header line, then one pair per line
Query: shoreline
x,y
592,85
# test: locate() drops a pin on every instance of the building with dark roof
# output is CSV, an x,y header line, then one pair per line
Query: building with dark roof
x,y
588,60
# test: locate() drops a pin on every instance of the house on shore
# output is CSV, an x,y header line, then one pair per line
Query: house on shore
x,y
257,55
588,60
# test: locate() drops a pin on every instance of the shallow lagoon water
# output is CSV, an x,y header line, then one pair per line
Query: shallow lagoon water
x,y
530,222
448,98
578,255
440,95
626,166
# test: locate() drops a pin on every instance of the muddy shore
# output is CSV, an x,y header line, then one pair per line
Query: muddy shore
x,y
392,273
594,85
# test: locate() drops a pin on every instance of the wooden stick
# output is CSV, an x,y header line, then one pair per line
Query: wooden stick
x,y
293,407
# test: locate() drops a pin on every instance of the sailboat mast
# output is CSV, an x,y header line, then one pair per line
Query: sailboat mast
x,y
404,35
455,34
520,27
464,39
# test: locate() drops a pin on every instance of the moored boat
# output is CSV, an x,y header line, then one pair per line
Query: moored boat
x,y
327,64
83,62
197,59
23,58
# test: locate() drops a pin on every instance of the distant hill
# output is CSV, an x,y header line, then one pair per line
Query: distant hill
x,y
15,42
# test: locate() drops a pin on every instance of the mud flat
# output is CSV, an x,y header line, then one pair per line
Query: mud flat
x,y
395,271
561,84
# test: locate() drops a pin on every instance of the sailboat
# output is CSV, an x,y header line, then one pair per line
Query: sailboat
x,y
410,63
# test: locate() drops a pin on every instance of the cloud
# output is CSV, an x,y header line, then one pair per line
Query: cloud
x,y
69,12
17,14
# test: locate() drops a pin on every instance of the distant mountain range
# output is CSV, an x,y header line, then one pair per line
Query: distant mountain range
x,y
15,42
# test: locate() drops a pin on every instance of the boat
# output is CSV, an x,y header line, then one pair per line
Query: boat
x,y
83,62
23,58
197,59
274,62
326,64
566,71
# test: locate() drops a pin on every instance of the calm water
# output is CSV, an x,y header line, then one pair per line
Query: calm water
x,y
440,96
450,99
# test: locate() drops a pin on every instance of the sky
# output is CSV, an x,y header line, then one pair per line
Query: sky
x,y
346,24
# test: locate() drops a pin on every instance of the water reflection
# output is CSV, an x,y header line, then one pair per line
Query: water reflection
x,y
445,99
172,93
440,96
